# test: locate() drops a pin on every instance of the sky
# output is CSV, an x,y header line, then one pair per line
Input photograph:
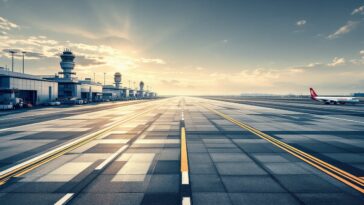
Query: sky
x,y
194,47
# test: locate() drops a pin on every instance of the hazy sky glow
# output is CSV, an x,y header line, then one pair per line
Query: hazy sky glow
x,y
195,46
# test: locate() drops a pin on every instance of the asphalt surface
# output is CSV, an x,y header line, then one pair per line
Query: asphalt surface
x,y
139,160
11,118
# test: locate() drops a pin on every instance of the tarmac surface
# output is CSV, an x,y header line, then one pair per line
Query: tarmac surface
x,y
186,150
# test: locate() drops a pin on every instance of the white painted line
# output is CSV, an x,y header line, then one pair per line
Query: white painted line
x,y
336,118
186,201
182,116
60,148
2,130
185,178
107,125
112,157
157,141
66,198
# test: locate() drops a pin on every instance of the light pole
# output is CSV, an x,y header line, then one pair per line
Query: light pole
x,y
94,78
12,59
104,77
23,52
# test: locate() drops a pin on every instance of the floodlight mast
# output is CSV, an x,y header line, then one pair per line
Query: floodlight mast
x,y
23,52
12,52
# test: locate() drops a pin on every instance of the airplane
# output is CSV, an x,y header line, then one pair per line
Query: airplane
x,y
333,100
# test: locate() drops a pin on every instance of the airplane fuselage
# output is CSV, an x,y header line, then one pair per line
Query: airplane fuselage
x,y
336,100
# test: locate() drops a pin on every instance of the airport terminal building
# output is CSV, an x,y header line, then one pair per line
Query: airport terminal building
x,y
36,90
114,92
70,87
31,89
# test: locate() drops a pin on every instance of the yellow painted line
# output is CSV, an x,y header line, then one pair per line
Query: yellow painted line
x,y
184,158
27,167
341,175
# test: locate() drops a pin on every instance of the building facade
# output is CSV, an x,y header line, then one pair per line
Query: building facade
x,y
31,89
70,87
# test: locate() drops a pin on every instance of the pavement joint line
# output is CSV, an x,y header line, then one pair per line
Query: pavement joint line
x,y
270,138
276,103
337,118
79,190
111,158
65,199
186,200
351,180
358,180
5,129
310,157
37,161
321,116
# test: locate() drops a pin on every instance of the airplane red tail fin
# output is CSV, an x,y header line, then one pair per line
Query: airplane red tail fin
x,y
313,94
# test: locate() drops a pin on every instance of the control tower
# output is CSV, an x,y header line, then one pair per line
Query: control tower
x,y
67,64
141,86
117,79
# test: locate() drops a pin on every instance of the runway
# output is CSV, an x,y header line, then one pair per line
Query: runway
x,y
187,150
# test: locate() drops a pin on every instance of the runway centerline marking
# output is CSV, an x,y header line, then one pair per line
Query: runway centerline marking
x,y
184,160
341,175
186,200
185,179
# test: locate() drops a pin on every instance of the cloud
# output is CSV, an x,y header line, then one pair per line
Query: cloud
x,y
296,70
349,26
316,65
149,60
34,55
30,55
336,62
313,65
5,24
301,22
359,61
304,67
359,10
176,84
170,82
88,61
114,41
